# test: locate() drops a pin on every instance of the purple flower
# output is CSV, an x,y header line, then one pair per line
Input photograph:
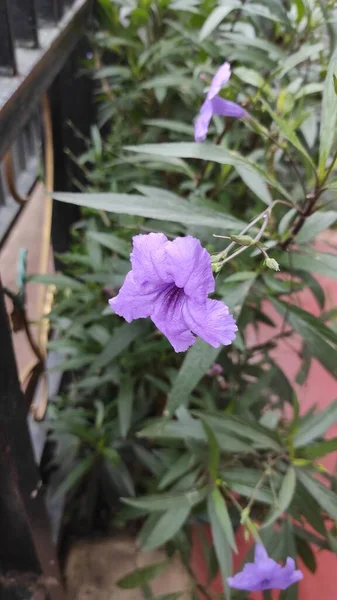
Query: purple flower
x,y
170,282
265,574
214,105
215,369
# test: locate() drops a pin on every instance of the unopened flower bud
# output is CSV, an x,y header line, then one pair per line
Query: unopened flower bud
x,y
243,240
271,263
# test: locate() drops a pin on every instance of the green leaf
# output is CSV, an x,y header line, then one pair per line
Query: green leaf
x,y
210,152
113,71
255,183
161,502
306,554
111,241
157,207
320,340
285,496
139,577
75,476
214,452
328,116
122,337
61,281
322,263
306,52
73,363
196,363
222,514
260,436
222,547
124,405
317,450
250,76
215,18
314,224
180,467
201,356
316,425
322,494
170,125
166,527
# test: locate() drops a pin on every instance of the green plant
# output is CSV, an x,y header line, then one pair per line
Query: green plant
x,y
160,429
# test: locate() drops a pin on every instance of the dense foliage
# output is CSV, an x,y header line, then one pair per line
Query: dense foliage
x,y
165,440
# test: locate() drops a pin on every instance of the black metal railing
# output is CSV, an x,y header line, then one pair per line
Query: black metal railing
x,y
41,42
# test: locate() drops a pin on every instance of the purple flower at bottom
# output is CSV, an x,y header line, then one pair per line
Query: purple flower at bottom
x,y
265,574
170,282
214,105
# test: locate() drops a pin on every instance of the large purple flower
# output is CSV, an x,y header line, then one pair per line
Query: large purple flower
x,y
265,574
170,282
214,105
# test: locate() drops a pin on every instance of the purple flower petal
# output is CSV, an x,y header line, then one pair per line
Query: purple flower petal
x,y
265,574
212,322
202,121
227,108
134,301
147,257
190,267
220,78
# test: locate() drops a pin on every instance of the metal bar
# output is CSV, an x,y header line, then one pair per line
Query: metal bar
x,y
24,21
47,11
20,106
25,531
7,51
59,8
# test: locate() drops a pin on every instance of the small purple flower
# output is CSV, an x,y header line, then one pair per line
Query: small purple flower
x,y
214,105
170,283
265,574
215,369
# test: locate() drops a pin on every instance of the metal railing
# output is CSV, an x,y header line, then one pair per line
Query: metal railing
x,y
40,44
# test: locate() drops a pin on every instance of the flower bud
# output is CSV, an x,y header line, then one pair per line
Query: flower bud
x,y
271,263
243,240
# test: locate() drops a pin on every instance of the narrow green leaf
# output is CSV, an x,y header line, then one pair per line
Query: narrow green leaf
x,y
166,527
201,356
316,425
180,467
222,514
60,281
122,337
322,263
328,116
285,496
318,450
255,183
222,547
306,52
111,241
214,452
322,494
157,207
124,405
75,476
320,340
139,577
162,502
306,554
314,224
209,152
215,18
